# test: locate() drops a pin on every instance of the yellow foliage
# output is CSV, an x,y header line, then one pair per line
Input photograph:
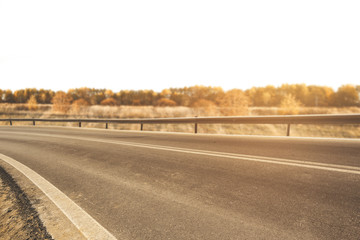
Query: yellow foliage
x,y
61,102
79,104
162,102
289,105
32,103
234,103
108,102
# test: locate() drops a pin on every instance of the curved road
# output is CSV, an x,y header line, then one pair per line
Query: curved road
x,y
142,185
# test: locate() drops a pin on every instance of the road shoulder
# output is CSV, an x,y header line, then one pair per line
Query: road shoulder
x,y
57,225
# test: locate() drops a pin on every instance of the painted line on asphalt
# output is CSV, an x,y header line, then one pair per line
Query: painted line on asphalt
x,y
88,226
280,161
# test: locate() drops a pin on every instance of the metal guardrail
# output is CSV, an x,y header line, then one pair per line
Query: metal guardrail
x,y
286,119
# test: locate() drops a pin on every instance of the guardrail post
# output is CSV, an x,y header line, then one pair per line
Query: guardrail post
x,y
79,124
288,130
106,126
10,123
196,127
33,123
141,127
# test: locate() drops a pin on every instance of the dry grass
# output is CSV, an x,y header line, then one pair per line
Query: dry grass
x,y
46,111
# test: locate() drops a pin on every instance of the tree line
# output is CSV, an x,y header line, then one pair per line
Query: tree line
x,y
195,96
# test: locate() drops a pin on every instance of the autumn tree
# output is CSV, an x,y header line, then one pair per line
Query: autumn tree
x,y
61,102
289,105
123,97
109,94
19,96
45,96
141,97
268,96
263,96
8,96
81,93
79,105
234,102
319,96
165,102
23,95
178,95
204,107
32,103
108,102
201,92
347,95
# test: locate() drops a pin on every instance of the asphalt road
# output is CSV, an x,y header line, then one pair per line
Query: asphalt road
x,y
142,185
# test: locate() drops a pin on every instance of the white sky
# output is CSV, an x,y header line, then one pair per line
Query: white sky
x,y
155,44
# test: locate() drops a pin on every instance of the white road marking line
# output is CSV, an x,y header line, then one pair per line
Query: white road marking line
x,y
280,161
88,226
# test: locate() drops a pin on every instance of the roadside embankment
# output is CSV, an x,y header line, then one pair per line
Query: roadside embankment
x,y
18,219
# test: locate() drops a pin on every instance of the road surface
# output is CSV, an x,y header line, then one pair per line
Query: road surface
x,y
142,185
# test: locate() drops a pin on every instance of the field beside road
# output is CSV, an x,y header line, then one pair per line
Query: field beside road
x,y
97,111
